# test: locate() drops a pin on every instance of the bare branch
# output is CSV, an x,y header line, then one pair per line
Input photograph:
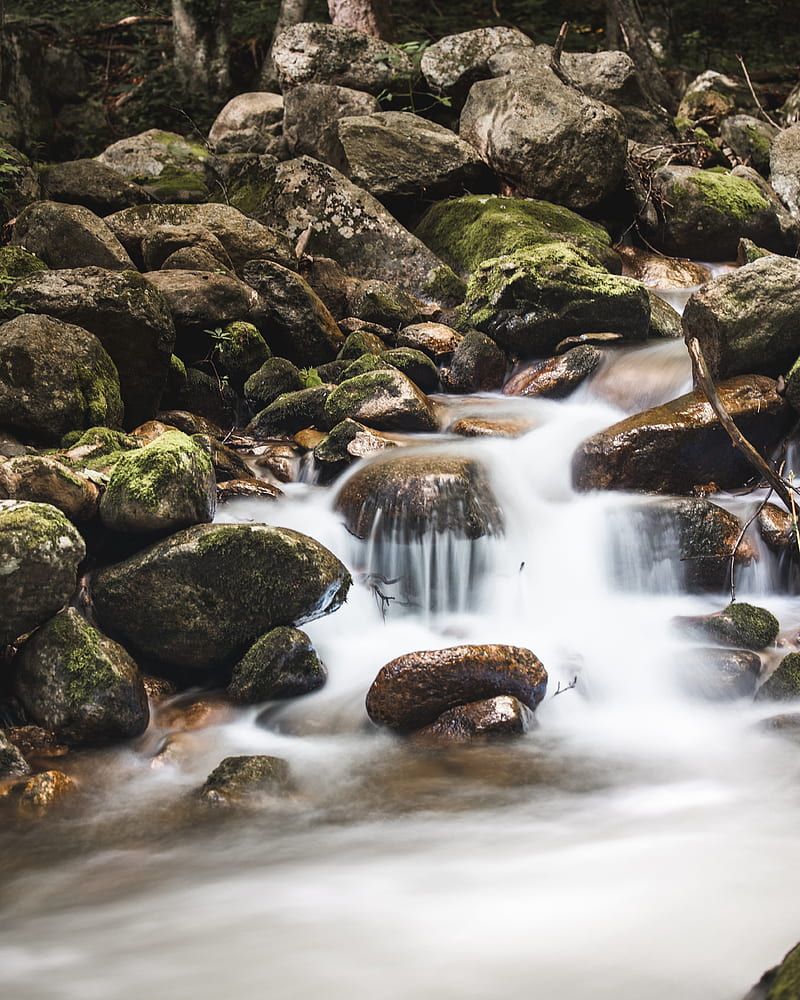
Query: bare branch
x,y
755,95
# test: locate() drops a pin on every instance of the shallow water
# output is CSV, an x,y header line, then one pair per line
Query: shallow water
x,y
639,841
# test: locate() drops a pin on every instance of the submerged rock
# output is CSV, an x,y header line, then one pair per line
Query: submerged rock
x,y
12,763
415,689
39,794
239,779
720,674
281,664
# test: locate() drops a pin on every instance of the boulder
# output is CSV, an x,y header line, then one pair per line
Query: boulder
x,y
545,140
681,444
37,795
530,300
20,185
394,154
746,321
784,162
312,108
657,271
341,221
12,763
776,528
77,682
241,351
296,323
247,123
479,427
39,551
739,624
346,441
291,412
784,683
162,244
713,96
91,184
466,231
244,239
275,377
44,479
203,596
557,377
323,53
413,690
408,496
127,314
167,485
242,181
453,63
503,715
168,166
281,664
386,400
54,378
704,213
478,365
720,674
434,339
750,139
238,780
416,365
380,303
69,236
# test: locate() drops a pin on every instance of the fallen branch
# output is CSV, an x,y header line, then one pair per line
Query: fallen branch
x,y
755,95
555,59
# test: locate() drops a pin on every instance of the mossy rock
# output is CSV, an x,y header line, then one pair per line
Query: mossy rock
x,y
739,624
98,448
12,763
385,400
784,683
782,982
80,684
274,378
242,351
416,365
360,342
281,664
465,232
239,779
16,262
291,412
367,363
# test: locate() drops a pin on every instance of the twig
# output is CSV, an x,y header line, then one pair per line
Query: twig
x,y
560,690
130,22
706,384
755,96
555,59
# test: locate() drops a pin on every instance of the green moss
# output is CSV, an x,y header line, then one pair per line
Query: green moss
x,y
784,683
18,263
366,363
177,369
242,351
82,659
41,525
100,447
733,197
444,285
785,985
100,395
746,625
176,186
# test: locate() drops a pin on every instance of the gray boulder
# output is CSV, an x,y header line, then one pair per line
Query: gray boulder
x,y
40,551
784,162
69,236
311,108
750,139
545,140
168,166
453,63
163,243
91,184
203,596
247,124
77,682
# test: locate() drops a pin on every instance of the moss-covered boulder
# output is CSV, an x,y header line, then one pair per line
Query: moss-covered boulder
x,y
203,596
166,485
281,664
347,441
413,690
784,683
386,400
126,313
54,378
40,551
382,304
291,412
245,779
466,231
681,444
530,300
750,139
704,213
275,377
98,449
69,236
241,351
91,184
43,479
739,624
712,96
75,681
414,364
168,166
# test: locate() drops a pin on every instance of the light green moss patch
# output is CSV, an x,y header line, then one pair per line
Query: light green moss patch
x,y
733,197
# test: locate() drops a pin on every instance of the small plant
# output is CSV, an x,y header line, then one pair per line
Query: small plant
x,y
220,336
309,377
394,59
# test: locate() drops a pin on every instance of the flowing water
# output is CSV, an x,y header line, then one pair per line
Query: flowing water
x,y
637,842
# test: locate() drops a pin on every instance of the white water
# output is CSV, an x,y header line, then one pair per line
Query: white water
x,y
636,843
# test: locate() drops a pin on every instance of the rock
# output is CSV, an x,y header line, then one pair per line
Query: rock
x,y
54,378
275,377
39,551
291,412
704,213
204,595
167,485
394,154
779,983
163,242
20,184
415,365
18,263
312,108
745,321
784,161
208,396
555,378
244,239
381,304
241,352
322,53
297,323
281,664
168,167
69,236
343,222
247,123
359,343
545,140
384,400
681,444
12,763
99,449
477,427
713,96
36,796
242,181
777,529
500,716
346,441
478,365
750,139
249,487
43,479
434,339
739,624
453,63
127,314
407,496
784,683
76,681
658,271
91,184
238,780
720,674
530,300
415,689
466,231
36,743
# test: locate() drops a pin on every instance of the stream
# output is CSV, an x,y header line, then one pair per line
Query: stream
x,y
637,842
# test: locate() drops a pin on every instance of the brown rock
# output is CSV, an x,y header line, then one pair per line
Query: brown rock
x,y
415,689
433,339
775,526
37,795
479,427
555,377
657,271
500,716
44,479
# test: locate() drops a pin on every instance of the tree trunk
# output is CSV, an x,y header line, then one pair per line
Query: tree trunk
x,y
373,17
630,24
201,31
291,12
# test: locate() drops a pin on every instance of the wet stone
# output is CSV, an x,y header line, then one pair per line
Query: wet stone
x,y
500,716
238,779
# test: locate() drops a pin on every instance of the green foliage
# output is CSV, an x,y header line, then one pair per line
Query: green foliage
x,y
309,377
